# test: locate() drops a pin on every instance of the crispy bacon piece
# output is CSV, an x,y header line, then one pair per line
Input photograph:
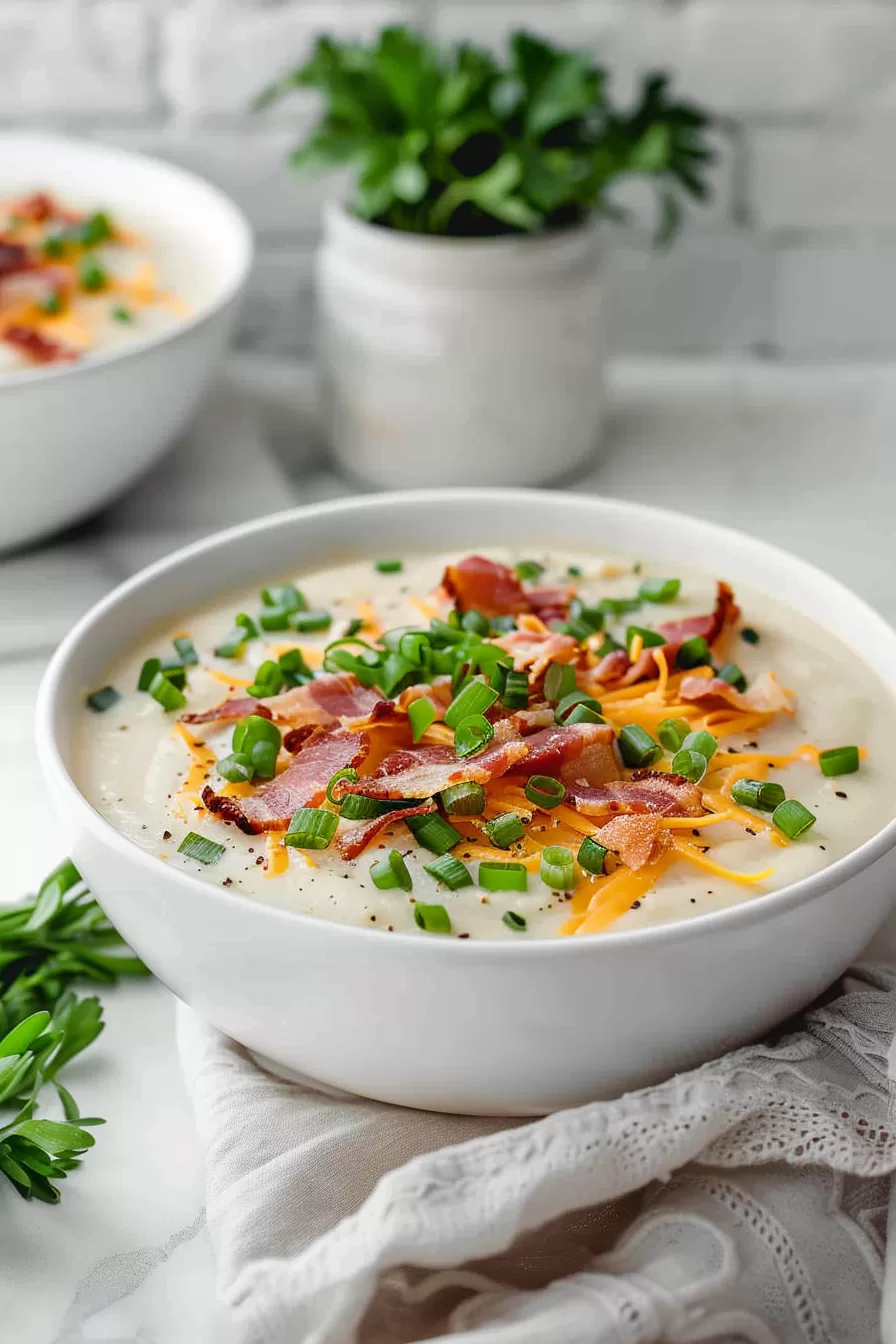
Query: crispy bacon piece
x,y
36,348
554,750
36,208
326,700
478,584
653,791
612,666
302,784
355,839
765,696
533,650
14,257
33,285
549,604
675,633
423,771
235,708
637,840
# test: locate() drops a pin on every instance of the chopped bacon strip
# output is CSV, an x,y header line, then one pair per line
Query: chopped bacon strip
x,y
394,713
637,840
302,784
326,700
709,626
14,257
765,696
478,584
534,650
236,708
34,209
27,285
653,791
553,750
423,771
37,348
549,604
612,666
355,839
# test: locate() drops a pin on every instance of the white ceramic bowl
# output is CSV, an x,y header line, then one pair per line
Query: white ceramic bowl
x,y
476,1027
74,435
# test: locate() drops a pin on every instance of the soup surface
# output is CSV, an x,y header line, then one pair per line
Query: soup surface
x,y
76,283
496,746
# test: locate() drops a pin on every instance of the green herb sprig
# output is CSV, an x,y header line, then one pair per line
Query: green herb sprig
x,y
47,944
451,140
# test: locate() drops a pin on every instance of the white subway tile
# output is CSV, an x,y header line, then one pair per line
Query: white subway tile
x,y
836,299
823,176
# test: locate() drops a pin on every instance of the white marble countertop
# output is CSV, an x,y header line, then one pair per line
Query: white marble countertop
x,y
803,457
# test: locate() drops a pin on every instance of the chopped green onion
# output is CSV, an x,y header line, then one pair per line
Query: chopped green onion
x,y
569,702
651,639
592,856
165,693
503,876
475,698
472,734
274,618
254,728
147,672
514,921
268,681
51,303
749,635
236,768
400,870
121,314
583,714
446,868
558,869
475,622
505,830
197,847
762,794
693,653
619,606
357,807
577,629
793,818
91,275
421,713
92,231
672,733
734,676
839,761
348,774
264,759
397,674
442,633
703,742
244,629
574,571
176,674
529,569
415,647
354,627
294,668
103,699
53,246
659,590
463,800
431,918
638,748
389,566
311,828
502,625
690,764
309,622
609,645
516,691
559,681
285,595
433,832
593,617
186,651
545,791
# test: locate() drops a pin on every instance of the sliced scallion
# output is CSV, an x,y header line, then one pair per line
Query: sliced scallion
x,y
593,617
689,764
269,680
421,713
559,681
121,314
432,918
433,832
446,868
186,651
569,702
505,830
463,800
91,275
545,791
285,596
703,742
672,733
197,847
388,566
495,876
839,761
165,693
514,921
347,774
749,635
619,606
516,691
311,828
147,673
103,699
529,570
472,735
475,698
763,794
650,639
234,643
274,618
731,673
357,807
659,590
592,856
51,303
557,869
582,714
693,653
637,747
236,768
310,622
294,668
400,870
476,623
793,818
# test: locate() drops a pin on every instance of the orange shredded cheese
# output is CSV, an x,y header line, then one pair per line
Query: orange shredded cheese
x,y
693,855
277,856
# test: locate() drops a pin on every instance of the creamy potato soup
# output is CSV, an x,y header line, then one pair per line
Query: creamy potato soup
x,y
492,746
75,282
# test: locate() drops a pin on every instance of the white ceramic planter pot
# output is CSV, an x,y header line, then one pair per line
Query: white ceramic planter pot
x,y
448,361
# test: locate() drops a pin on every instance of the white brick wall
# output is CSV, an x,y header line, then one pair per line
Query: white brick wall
x,y
795,257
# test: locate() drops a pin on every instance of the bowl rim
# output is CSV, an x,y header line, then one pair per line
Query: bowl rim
x,y
765,906
223,297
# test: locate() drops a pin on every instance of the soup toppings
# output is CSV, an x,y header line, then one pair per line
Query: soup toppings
x,y
69,278
519,735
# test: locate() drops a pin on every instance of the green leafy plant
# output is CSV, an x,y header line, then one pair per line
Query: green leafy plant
x,y
448,140
46,944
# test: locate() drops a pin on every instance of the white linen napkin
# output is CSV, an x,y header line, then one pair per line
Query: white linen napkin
x,y
745,1201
